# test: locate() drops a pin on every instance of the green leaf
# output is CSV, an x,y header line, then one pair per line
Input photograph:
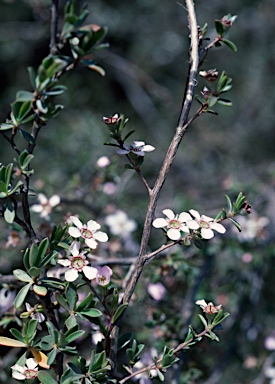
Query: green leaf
x,y
27,136
33,255
225,102
31,329
9,213
18,335
16,187
45,378
91,312
219,27
47,259
71,321
3,188
74,336
230,44
71,296
24,110
119,312
229,203
204,322
62,301
6,126
40,290
24,96
32,75
34,272
52,356
56,90
42,249
22,275
237,225
97,69
124,340
21,295
85,303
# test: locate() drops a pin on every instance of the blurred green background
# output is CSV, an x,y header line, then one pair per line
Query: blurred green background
x,y
146,67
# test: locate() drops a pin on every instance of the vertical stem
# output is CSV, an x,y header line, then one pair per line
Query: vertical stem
x,y
54,23
172,150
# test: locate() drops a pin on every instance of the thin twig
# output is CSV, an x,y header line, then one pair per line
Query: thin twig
x,y
54,23
180,131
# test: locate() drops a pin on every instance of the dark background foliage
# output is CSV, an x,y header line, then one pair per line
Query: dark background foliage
x,y
146,67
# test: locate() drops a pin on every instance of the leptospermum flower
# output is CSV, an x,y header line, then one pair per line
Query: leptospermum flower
x,y
45,205
30,371
77,263
120,224
88,231
206,225
209,308
174,223
137,147
103,275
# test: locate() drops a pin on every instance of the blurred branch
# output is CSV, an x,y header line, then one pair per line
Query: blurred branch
x,y
54,22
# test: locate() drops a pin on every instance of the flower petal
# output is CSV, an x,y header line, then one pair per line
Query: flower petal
x,y
91,243
148,148
74,232
184,216
201,303
31,363
206,218
75,220
169,213
18,376
37,208
93,225
42,198
54,200
192,224
138,143
207,233
74,248
159,223
123,151
18,368
101,236
90,272
218,227
138,153
65,263
173,234
195,214
71,275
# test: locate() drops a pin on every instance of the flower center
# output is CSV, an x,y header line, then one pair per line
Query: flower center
x,y
78,262
175,224
135,149
210,309
102,280
30,373
86,233
204,224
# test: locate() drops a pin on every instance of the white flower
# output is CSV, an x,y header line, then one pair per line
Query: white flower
x,y
28,372
77,263
209,308
120,224
103,162
175,223
254,227
157,291
205,223
137,147
46,205
88,231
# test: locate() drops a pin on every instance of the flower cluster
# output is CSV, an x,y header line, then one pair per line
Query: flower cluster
x,y
184,222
